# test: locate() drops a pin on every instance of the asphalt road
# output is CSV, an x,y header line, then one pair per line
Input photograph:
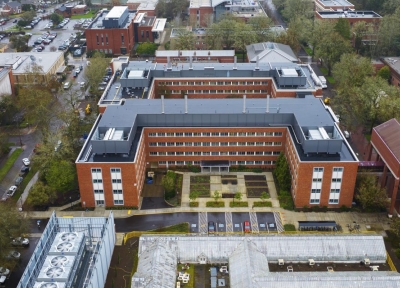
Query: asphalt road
x,y
275,13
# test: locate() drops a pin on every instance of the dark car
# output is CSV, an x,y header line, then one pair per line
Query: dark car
x,y
15,21
211,227
18,180
25,169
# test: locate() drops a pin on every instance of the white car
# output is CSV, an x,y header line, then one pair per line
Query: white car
x,y
26,161
4,271
11,191
66,85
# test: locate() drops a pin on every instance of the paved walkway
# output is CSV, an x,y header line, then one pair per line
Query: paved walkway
x,y
28,187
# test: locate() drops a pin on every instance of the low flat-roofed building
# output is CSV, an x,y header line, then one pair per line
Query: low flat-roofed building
x,y
333,5
22,63
249,260
351,16
148,6
394,66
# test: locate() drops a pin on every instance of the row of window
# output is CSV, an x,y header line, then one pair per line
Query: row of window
x,y
231,162
319,190
214,144
331,201
204,83
222,134
335,169
216,153
213,91
116,202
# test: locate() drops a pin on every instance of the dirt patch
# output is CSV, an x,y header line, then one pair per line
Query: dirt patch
x,y
256,192
200,179
122,263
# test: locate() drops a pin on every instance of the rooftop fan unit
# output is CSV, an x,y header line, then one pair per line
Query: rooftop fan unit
x,y
67,243
60,261
49,285
54,274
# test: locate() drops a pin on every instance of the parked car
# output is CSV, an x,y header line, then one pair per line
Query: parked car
x,y
11,191
18,180
25,170
62,47
28,27
66,85
4,271
77,70
47,41
246,226
3,279
74,74
211,227
15,21
106,78
82,85
20,241
13,255
26,161
78,52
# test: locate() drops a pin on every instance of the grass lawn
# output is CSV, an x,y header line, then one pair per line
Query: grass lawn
x,y
84,16
182,228
215,204
238,204
9,163
330,79
308,50
262,204
189,271
324,70
16,29
194,204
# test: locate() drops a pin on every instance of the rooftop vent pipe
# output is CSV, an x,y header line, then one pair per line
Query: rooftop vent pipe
x,y
244,103
267,104
162,104
234,63
186,105
190,64
257,66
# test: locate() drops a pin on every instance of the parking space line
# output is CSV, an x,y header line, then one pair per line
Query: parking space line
x,y
203,229
254,222
228,221
278,222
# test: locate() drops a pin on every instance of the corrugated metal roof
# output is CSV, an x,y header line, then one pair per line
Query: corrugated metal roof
x,y
390,134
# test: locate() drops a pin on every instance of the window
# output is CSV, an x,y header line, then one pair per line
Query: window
x,y
315,190
118,202
215,134
242,134
169,134
98,191
223,134
106,39
241,153
318,169
117,191
214,143
161,134
241,143
115,170
232,153
277,143
188,144
232,133
180,163
97,181
250,143
314,201
122,39
206,153
116,181
251,133
161,144
153,153
215,153
179,153
232,143
197,153
333,201
162,162
170,144
259,143
197,144
179,143
250,152
196,134
180,134
188,134
317,180
188,153
206,134
171,153
269,133
96,170
335,190
338,169
223,144
278,134
99,202
152,134
259,153
336,180
206,143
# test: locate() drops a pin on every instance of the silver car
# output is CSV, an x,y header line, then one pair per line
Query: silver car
x,y
4,271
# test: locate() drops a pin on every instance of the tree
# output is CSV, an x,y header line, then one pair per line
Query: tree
x,y
282,173
13,224
342,27
8,109
264,196
28,7
297,8
351,71
20,43
359,29
384,73
315,31
331,48
238,196
94,73
193,195
261,26
244,35
395,226
185,40
168,182
56,18
146,48
369,193
388,35
216,196
53,48
61,176
40,195
28,16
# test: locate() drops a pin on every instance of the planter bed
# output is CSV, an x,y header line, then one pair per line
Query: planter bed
x,y
215,204
256,192
230,181
254,178
225,177
256,184
238,204
199,179
203,193
201,186
228,195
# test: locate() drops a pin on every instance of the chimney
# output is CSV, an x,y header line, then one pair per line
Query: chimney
x,y
267,104
257,67
162,104
190,63
186,105
234,63
244,103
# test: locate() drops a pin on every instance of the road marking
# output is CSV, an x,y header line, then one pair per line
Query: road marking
x,y
129,212
203,229
278,222
228,221
254,222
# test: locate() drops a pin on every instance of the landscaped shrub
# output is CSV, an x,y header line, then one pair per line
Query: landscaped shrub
x,y
194,204
285,200
262,204
215,204
238,204
289,227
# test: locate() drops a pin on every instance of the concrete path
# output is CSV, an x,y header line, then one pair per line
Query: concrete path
x,y
28,187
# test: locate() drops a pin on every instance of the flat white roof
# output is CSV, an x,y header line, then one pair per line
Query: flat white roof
x,y
135,74
139,18
159,25
289,72
200,3
116,12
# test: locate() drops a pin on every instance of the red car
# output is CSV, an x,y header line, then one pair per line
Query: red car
x,y
246,226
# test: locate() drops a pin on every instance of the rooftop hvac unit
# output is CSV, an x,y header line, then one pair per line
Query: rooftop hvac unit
x,y
60,261
49,285
54,274
66,243
311,262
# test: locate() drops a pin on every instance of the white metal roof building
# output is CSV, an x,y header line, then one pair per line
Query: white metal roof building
x,y
248,259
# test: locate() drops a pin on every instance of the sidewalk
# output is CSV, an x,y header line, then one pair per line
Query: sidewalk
x,y
28,187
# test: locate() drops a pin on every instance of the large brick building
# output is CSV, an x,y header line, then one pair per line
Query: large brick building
x,y
215,134
369,17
